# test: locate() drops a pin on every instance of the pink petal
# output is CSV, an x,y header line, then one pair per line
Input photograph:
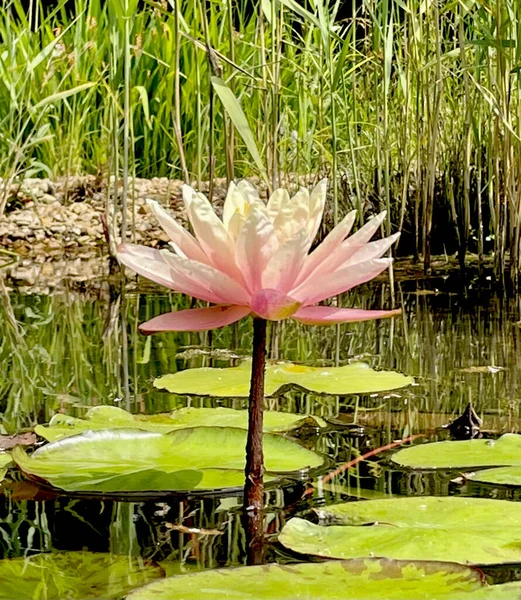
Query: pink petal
x,y
211,233
256,245
331,315
317,202
372,250
286,263
273,305
204,282
196,319
319,287
181,238
146,262
352,245
325,249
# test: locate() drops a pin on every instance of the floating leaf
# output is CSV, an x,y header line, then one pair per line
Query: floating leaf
x,y
455,529
112,417
499,476
72,576
504,451
129,460
355,378
367,579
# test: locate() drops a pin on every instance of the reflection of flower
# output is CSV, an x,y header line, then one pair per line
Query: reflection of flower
x,y
256,260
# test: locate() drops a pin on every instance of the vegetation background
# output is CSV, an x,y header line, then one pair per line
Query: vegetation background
x,y
409,105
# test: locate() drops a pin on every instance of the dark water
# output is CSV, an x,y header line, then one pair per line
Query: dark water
x,y
74,348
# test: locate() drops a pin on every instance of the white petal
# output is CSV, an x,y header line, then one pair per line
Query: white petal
x,y
317,202
278,198
256,245
182,239
286,264
292,216
211,233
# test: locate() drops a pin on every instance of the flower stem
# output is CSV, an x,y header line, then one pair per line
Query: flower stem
x,y
254,486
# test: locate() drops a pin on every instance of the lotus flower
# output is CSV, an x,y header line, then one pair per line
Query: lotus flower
x,y
257,260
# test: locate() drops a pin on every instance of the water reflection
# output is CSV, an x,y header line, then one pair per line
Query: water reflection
x,y
73,349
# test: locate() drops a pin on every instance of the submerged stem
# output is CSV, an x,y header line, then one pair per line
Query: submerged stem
x,y
254,486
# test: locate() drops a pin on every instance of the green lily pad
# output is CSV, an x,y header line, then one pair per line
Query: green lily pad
x,y
129,460
112,417
455,529
366,579
499,476
73,576
356,378
504,451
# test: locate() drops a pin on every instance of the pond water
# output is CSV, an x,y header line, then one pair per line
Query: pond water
x,y
78,346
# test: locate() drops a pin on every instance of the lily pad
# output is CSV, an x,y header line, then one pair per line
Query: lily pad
x,y
129,460
456,529
367,579
112,417
355,378
504,451
499,476
73,576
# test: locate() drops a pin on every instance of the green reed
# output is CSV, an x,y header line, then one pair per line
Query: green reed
x,y
413,107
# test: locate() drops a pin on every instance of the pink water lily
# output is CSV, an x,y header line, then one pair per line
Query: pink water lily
x,y
257,260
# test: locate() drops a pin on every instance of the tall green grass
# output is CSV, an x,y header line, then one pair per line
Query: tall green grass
x,y
410,106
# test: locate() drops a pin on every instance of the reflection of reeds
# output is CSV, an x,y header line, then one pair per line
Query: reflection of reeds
x,y
415,108
66,352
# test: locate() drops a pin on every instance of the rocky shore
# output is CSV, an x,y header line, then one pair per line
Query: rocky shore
x,y
64,217
54,229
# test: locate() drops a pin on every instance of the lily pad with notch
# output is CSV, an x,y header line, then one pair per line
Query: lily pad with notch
x,y
476,531
129,460
354,378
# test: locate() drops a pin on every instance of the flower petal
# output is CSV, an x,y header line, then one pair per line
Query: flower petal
x,y
324,250
256,245
320,286
331,315
146,262
182,239
293,215
204,282
372,250
195,319
278,198
317,202
286,263
211,233
352,245
273,305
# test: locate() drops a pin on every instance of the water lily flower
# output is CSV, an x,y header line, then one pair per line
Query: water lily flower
x,y
257,260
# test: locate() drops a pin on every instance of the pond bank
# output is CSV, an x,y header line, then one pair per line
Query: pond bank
x,y
52,230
